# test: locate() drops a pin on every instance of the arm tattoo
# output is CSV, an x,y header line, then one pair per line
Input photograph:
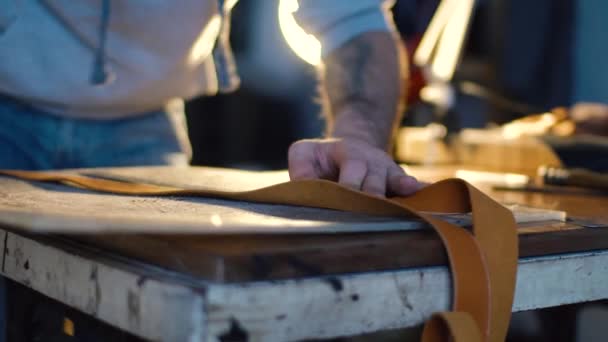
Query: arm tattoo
x,y
363,79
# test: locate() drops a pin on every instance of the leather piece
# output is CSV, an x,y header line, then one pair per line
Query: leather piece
x,y
451,326
469,273
483,261
495,231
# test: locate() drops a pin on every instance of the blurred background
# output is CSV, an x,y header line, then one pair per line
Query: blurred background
x,y
519,57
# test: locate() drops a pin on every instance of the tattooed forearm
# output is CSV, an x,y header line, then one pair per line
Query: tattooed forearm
x,y
362,85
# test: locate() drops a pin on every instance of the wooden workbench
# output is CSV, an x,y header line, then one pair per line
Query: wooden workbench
x,y
268,272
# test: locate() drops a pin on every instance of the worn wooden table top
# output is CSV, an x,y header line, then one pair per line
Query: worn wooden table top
x,y
245,257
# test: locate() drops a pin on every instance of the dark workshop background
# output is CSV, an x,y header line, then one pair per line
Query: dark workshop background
x,y
520,53
523,57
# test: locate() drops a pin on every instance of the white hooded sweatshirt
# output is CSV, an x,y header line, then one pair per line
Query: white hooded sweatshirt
x,y
106,59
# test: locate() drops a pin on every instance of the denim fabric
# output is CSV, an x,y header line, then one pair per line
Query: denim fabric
x,y
35,140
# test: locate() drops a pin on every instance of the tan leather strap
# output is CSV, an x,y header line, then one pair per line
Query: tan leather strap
x,y
483,261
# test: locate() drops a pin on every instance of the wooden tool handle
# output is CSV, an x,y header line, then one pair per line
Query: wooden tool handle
x,y
574,177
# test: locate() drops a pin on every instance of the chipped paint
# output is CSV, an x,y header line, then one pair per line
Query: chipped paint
x,y
130,301
164,309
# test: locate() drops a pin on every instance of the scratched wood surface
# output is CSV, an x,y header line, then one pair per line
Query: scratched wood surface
x,y
257,256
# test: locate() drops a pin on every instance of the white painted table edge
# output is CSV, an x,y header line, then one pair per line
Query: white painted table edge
x,y
165,309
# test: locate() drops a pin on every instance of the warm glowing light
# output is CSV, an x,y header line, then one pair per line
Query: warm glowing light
x,y
535,125
216,220
441,46
505,179
201,48
305,45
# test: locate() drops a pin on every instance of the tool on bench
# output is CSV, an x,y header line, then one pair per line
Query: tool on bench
x,y
573,177
548,179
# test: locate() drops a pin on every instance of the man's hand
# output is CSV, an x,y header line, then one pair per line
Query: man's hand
x,y
362,87
353,163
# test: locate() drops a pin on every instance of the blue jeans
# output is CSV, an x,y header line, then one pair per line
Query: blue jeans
x,y
35,140
31,139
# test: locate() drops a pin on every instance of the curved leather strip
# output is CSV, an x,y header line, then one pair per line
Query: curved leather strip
x,y
483,265
470,277
494,229
457,326
89,183
450,195
496,236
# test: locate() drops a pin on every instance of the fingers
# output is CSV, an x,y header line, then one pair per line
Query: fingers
x,y
353,164
375,181
358,175
352,174
401,184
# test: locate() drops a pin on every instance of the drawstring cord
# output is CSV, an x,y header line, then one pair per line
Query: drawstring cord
x,y
101,75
